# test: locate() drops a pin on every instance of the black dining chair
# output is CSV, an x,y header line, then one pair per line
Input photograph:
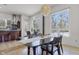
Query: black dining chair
x,y
35,47
60,39
49,47
29,36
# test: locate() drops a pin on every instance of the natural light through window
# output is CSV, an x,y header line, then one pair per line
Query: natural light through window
x,y
60,22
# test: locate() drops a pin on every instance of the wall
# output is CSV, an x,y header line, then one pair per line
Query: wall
x,y
73,39
47,24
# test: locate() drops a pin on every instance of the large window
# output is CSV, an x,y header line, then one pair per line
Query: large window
x,y
60,21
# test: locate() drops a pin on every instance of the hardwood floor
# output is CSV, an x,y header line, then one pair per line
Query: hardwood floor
x,y
70,50
22,50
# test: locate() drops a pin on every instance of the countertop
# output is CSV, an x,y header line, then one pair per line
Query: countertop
x,y
9,30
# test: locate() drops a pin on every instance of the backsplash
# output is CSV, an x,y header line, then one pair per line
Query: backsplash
x,y
7,21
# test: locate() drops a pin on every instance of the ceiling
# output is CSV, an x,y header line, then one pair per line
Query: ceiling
x,y
27,9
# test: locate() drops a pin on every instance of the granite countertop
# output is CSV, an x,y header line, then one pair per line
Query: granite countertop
x,y
10,30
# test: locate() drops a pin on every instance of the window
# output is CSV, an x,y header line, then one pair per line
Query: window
x,y
3,24
60,21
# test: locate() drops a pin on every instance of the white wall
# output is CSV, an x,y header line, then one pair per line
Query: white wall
x,y
73,39
47,24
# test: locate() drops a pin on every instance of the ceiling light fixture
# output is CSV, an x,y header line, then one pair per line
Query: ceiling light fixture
x,y
46,9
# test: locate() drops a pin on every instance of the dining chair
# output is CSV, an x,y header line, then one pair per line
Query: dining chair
x,y
60,38
33,44
29,36
49,47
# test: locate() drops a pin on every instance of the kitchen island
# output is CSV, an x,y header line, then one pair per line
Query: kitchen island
x,y
9,35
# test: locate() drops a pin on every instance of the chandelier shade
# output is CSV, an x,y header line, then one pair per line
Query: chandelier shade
x,y
45,9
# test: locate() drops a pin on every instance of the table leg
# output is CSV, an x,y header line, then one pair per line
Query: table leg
x,y
34,50
59,53
28,50
46,49
52,50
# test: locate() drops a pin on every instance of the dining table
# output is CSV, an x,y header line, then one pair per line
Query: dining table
x,y
37,41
